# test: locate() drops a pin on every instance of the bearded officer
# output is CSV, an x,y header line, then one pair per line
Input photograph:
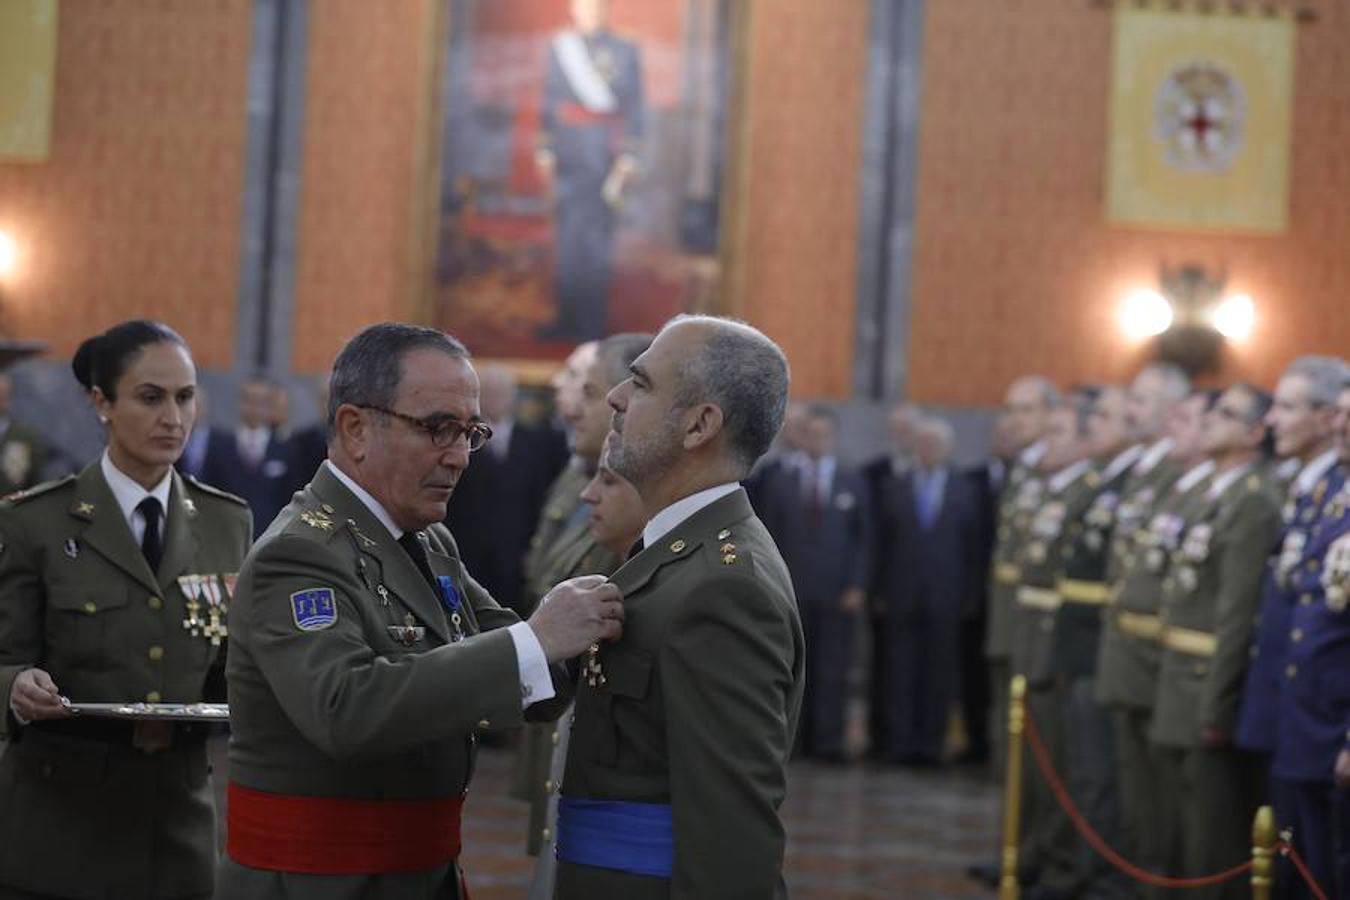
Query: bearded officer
x,y
364,656
678,764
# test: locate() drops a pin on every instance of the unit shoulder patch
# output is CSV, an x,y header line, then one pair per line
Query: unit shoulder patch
x,y
314,609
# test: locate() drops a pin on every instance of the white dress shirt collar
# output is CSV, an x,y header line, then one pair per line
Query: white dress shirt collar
x,y
1313,472
1156,453
1122,461
1067,475
665,521
376,508
1223,480
1194,475
128,493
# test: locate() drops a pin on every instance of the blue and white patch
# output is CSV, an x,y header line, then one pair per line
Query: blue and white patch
x,y
449,593
314,609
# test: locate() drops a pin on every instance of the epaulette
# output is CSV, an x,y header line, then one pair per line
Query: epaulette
x,y
215,491
36,490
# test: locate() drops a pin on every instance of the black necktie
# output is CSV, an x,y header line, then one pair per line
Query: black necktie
x,y
414,548
636,548
151,546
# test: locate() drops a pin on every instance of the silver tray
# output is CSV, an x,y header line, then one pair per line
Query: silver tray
x,y
163,712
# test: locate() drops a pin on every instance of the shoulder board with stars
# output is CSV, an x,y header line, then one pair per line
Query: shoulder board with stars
x,y
727,547
215,491
37,490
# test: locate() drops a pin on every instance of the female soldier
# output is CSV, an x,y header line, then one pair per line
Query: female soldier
x,y
114,586
617,519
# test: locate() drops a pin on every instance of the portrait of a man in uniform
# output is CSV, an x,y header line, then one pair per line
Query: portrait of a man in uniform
x,y
581,153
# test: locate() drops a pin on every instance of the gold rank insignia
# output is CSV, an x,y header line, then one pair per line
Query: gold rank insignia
x,y
317,519
84,508
1253,482
677,547
728,553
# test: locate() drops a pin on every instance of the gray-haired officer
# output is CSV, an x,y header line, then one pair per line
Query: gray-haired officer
x,y
364,656
115,584
1209,602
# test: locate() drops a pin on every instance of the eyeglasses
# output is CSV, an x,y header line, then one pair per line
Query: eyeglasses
x,y
444,432
1232,415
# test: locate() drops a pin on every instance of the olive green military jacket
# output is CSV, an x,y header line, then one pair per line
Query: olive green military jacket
x,y
578,555
1017,506
1082,585
380,703
1054,526
1210,599
78,600
698,709
1131,646
561,535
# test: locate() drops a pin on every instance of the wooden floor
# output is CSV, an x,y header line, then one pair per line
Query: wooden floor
x,y
853,832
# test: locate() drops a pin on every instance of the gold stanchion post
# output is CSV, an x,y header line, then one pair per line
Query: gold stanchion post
x,y
1263,853
1012,790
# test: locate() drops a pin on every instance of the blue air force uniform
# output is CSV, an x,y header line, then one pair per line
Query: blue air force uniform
x,y
1314,699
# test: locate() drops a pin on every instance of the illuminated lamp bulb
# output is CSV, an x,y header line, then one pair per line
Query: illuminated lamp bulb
x,y
1234,317
1145,314
9,254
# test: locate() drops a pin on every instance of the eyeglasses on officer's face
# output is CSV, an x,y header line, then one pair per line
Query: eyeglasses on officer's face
x,y
444,431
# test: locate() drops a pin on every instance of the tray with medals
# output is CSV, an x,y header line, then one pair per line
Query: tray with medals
x,y
161,712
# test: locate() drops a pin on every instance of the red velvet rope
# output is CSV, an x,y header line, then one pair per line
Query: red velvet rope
x,y
1094,840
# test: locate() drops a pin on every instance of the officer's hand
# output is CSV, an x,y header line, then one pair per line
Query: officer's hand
x,y
1343,769
575,614
34,697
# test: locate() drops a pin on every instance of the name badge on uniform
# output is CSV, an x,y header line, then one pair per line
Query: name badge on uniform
x,y
314,609
450,597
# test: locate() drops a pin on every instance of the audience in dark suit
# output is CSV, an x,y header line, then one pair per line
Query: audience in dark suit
x,y
901,424
926,520
817,513
253,461
986,482
497,501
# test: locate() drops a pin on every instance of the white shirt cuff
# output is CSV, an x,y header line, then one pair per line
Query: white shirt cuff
x,y
536,682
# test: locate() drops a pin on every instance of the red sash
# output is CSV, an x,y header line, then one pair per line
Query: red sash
x,y
576,114
340,836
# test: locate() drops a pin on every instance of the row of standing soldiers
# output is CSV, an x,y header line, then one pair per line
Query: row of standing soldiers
x,y
1175,598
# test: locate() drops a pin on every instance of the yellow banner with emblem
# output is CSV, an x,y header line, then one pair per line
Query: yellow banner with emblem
x,y
27,78
1200,110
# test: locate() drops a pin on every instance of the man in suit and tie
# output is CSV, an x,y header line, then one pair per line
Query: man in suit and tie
x,y
677,768
925,530
819,518
252,461
497,501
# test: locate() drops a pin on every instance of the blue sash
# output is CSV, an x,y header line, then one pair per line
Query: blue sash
x,y
611,834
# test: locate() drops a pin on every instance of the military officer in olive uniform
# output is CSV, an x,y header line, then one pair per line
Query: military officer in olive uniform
x,y
571,552
1149,521
1209,602
115,586
1312,745
364,656
1026,409
678,762
1082,589
1050,848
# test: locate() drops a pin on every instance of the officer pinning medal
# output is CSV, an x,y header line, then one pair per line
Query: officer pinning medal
x,y
364,658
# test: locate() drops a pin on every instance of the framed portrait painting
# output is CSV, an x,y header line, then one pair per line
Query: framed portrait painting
x,y
581,147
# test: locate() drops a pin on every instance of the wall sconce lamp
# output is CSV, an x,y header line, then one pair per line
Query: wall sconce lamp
x,y
9,255
11,350
1189,316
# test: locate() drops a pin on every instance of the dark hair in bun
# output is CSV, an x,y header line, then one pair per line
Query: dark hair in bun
x,y
101,360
